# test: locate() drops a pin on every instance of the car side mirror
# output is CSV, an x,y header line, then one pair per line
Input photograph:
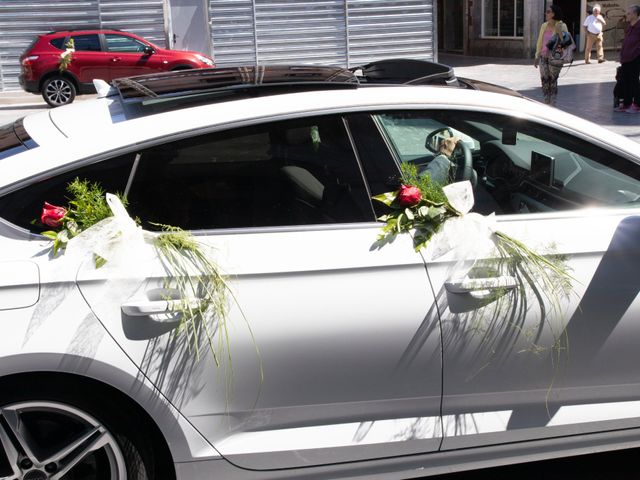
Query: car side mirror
x,y
149,50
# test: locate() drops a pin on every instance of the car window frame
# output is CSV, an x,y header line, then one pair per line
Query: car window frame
x,y
370,110
158,141
592,140
122,34
66,40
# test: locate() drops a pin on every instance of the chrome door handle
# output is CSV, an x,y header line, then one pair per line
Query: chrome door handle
x,y
156,307
466,285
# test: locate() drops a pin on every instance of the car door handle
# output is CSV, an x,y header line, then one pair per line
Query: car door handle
x,y
466,285
116,59
156,307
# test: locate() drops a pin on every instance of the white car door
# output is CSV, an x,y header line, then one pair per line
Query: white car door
x,y
288,216
522,365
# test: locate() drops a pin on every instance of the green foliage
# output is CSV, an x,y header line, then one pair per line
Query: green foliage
x,y
87,206
422,220
431,191
203,292
66,56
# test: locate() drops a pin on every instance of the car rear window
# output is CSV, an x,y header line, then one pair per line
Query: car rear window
x,y
58,43
14,139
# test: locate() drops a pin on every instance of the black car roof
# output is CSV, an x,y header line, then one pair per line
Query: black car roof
x,y
186,82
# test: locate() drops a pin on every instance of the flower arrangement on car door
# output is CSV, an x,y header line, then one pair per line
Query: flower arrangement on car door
x,y
440,221
97,222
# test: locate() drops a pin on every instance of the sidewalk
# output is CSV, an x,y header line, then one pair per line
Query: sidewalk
x,y
18,99
584,90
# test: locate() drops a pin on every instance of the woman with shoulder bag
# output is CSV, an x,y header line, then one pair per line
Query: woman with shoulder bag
x,y
550,67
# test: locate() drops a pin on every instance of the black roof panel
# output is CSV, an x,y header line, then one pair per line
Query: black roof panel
x,y
186,82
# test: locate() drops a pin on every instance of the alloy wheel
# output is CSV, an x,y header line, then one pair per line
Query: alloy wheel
x,y
59,92
55,441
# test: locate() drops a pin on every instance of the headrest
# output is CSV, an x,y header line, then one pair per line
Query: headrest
x,y
298,136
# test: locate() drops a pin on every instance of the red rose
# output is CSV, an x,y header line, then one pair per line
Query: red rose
x,y
409,196
52,215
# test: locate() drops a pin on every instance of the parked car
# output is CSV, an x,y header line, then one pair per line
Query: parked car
x,y
101,54
373,365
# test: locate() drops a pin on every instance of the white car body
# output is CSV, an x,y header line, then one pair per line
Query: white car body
x,y
367,372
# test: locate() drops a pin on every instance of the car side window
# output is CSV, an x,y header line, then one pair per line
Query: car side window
x,y
300,172
123,44
24,206
86,43
520,166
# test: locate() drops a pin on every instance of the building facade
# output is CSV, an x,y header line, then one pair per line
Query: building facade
x,y
509,28
236,32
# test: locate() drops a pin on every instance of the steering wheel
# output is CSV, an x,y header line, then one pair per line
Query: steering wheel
x,y
461,154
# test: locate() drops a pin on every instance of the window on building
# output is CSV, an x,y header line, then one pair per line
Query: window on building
x,y
502,18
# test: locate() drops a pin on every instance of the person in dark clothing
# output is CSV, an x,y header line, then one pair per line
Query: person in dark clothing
x,y
630,63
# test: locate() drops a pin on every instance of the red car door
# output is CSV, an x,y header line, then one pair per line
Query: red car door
x,y
129,56
89,61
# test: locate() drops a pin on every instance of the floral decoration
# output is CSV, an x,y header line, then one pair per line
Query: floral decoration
x,y
52,215
66,56
439,219
98,222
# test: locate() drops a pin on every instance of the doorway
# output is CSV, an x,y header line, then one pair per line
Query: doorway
x,y
572,13
451,26
189,26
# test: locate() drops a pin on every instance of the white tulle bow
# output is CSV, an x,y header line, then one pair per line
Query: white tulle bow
x,y
117,239
469,236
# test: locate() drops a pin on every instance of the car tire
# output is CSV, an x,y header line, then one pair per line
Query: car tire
x,y
47,431
58,91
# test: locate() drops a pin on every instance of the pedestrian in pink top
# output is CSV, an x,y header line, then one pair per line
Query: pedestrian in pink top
x,y
549,70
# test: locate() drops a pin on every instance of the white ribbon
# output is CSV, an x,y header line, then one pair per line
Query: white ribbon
x,y
469,236
117,239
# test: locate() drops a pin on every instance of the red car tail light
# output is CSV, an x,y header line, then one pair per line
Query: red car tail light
x,y
27,60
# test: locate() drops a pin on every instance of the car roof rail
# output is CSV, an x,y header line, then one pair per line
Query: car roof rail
x,y
185,83
83,29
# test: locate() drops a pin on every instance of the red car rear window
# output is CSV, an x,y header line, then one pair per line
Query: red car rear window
x,y
58,43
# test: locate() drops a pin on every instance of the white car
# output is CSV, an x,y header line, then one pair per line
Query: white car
x,y
375,365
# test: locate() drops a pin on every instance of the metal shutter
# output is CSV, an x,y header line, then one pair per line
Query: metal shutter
x,y
390,29
301,31
142,17
233,32
22,20
330,32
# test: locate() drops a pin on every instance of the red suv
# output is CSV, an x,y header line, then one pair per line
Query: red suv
x,y
103,54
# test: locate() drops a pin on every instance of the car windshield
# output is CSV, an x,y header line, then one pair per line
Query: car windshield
x,y
409,134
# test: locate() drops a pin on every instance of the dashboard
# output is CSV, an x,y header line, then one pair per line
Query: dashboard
x,y
513,175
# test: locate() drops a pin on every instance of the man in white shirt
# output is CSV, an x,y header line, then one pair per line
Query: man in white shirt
x,y
593,26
